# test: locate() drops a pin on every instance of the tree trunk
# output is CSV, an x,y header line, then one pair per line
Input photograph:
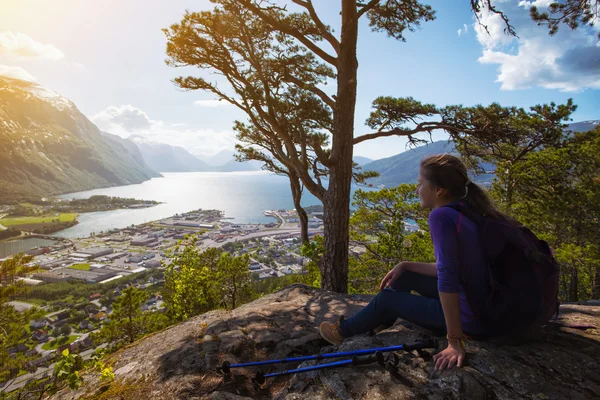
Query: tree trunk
x,y
336,201
233,296
596,285
573,293
297,197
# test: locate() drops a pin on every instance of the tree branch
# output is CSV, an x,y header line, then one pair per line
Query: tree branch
x,y
422,127
476,6
320,25
321,94
367,7
292,32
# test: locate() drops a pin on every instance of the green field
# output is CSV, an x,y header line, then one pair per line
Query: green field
x,y
56,343
63,217
81,267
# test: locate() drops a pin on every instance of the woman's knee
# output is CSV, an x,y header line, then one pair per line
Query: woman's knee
x,y
387,299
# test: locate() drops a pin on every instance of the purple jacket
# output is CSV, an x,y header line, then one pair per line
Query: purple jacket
x,y
458,251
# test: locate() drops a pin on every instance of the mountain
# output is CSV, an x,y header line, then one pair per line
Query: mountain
x,y
361,160
221,158
404,167
166,158
130,147
48,147
234,166
583,126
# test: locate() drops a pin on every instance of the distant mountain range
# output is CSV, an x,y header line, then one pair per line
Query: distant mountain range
x,y
48,147
360,160
404,167
166,158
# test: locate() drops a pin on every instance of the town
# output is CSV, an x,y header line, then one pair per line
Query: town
x,y
100,267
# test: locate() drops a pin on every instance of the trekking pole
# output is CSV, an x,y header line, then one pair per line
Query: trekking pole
x,y
355,360
425,344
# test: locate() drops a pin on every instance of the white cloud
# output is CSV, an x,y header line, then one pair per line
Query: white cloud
x,y
567,61
536,3
126,117
495,35
23,46
463,31
16,72
211,103
128,120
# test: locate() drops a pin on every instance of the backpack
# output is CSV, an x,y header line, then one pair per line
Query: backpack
x,y
523,278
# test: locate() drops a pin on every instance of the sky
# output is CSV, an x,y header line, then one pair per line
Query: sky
x,y
108,57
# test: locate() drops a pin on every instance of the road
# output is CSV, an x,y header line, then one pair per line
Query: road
x,y
267,232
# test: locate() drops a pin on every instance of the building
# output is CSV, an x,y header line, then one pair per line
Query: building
x,y
95,252
194,224
255,266
112,257
95,296
99,316
31,282
80,256
50,277
38,324
142,241
152,264
69,274
86,325
40,335
53,264
112,278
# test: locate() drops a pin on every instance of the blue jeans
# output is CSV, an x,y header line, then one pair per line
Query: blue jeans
x,y
397,302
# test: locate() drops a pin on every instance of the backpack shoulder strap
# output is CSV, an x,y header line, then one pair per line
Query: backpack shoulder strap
x,y
478,219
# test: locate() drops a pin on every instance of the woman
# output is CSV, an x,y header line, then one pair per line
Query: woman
x,y
442,305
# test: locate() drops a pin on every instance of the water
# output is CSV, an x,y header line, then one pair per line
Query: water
x,y
21,245
241,195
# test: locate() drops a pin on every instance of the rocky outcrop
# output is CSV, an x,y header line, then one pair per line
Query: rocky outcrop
x,y
180,362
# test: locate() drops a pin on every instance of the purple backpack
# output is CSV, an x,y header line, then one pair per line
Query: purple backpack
x,y
523,283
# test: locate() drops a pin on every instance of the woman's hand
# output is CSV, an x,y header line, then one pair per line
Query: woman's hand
x,y
453,354
392,276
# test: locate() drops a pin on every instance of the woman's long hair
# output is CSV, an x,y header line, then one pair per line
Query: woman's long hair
x,y
449,172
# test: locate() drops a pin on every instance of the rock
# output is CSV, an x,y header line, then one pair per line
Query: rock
x,y
180,362
232,341
227,396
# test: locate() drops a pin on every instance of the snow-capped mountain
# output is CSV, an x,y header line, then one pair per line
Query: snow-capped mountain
x,y
47,146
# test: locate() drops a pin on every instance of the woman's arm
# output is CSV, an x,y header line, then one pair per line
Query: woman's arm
x,y
454,354
429,269
445,242
418,267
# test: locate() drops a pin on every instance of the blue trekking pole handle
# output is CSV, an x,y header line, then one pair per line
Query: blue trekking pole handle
x,y
356,360
429,343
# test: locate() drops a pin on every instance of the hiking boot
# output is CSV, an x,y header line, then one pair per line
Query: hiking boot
x,y
331,332
380,328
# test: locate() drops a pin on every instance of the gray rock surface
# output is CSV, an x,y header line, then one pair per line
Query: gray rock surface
x,y
180,362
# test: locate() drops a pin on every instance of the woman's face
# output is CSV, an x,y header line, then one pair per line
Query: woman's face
x,y
427,193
